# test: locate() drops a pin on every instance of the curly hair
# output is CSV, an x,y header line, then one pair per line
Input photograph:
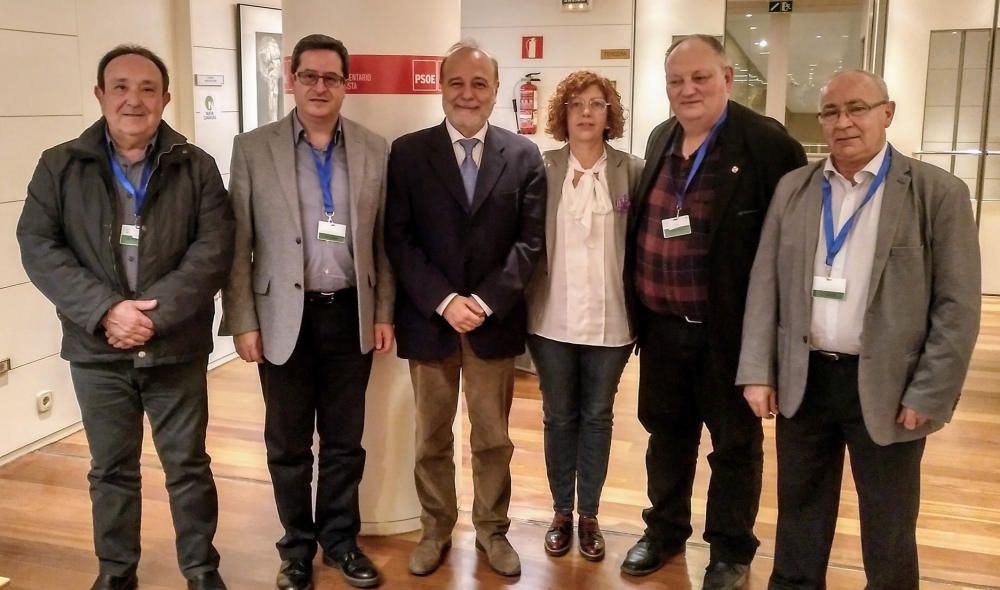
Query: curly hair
x,y
573,85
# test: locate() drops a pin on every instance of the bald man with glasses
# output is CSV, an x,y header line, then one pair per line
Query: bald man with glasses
x,y
862,314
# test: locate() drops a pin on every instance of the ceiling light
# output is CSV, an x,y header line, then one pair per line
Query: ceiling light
x,y
762,43
749,15
819,36
753,28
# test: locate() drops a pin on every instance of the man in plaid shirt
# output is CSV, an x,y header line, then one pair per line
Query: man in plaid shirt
x,y
710,172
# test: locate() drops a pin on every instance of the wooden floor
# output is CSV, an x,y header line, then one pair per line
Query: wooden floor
x,y
45,537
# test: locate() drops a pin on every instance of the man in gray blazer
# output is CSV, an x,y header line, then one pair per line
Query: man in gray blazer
x,y
309,297
862,314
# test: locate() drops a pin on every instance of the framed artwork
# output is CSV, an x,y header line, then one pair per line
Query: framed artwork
x,y
261,66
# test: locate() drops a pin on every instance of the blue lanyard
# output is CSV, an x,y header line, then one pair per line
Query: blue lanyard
x,y
699,158
324,169
835,243
139,194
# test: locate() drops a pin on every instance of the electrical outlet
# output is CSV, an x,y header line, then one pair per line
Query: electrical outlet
x,y
4,367
43,402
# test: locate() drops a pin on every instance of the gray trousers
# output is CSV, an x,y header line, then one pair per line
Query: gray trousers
x,y
113,397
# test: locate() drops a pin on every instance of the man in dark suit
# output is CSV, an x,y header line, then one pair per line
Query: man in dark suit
x,y
872,355
464,227
309,298
710,171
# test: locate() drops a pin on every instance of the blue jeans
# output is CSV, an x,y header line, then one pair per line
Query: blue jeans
x,y
578,385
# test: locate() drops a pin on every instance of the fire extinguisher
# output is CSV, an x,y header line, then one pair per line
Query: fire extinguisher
x,y
526,104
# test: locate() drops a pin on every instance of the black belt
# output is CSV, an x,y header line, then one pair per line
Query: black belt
x,y
322,298
834,357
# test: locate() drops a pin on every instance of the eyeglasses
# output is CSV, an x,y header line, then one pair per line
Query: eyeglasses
x,y
854,110
596,105
310,78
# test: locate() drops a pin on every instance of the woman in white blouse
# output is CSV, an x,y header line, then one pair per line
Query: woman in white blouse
x,y
579,333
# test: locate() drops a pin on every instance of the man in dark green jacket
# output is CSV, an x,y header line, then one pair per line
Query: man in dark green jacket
x,y
127,230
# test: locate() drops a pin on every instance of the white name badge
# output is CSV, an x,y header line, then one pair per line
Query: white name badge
x,y
676,226
129,235
329,231
829,288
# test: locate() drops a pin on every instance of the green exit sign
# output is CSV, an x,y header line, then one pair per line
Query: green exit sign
x,y
779,6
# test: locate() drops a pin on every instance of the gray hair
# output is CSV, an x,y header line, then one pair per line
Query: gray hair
x,y
873,78
469,45
713,43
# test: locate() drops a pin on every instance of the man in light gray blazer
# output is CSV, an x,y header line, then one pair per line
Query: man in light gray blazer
x,y
862,314
310,295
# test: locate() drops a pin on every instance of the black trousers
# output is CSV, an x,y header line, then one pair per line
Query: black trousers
x,y
682,387
320,389
113,398
810,468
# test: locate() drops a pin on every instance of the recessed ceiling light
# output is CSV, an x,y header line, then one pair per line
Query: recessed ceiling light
x,y
753,28
749,15
844,36
762,43
819,36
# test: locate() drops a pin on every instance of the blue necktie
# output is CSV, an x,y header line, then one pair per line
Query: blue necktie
x,y
468,168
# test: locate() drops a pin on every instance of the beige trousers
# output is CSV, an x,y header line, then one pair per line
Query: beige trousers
x,y
489,389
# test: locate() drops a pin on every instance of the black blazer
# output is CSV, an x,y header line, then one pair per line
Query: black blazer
x,y
438,244
756,153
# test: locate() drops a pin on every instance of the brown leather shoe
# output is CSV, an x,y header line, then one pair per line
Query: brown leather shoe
x,y
560,534
591,540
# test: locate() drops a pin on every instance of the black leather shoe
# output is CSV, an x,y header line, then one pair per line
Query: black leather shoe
x,y
720,575
355,567
647,556
295,574
207,581
109,582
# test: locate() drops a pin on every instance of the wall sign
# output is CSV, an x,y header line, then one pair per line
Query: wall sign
x,y
388,74
779,6
209,113
616,53
209,79
576,5
531,47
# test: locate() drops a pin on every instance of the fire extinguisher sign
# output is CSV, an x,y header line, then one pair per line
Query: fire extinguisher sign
x,y
531,47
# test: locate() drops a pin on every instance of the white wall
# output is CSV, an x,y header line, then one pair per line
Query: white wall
x,y
380,28
906,67
906,51
657,23
388,499
51,49
571,41
214,31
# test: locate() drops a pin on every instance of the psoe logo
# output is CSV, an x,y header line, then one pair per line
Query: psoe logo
x,y
425,75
